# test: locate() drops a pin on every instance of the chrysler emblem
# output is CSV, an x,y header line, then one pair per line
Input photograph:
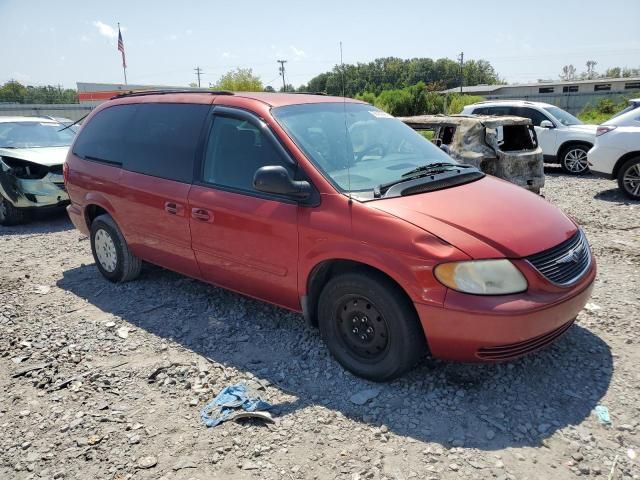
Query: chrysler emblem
x,y
573,256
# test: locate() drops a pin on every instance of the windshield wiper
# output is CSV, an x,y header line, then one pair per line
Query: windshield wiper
x,y
430,168
422,171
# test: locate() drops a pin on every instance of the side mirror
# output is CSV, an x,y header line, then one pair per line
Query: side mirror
x,y
276,179
547,124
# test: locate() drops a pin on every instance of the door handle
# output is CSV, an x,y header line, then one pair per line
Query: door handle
x,y
202,214
174,208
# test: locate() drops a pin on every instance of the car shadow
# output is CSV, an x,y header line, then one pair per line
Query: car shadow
x,y
615,195
557,171
46,221
483,406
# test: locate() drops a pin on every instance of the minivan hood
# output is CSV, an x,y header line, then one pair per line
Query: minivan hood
x,y
46,156
488,218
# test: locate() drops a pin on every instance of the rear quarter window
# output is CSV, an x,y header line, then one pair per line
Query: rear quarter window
x,y
163,140
102,138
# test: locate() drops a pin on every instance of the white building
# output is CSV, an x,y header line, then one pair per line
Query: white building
x,y
571,96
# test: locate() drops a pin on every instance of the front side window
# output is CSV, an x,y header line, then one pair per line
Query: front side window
x,y
236,149
535,116
356,146
563,117
34,134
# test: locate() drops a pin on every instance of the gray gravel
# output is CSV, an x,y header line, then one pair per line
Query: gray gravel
x,y
120,372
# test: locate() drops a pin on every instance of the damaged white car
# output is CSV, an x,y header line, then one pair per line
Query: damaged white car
x,y
32,152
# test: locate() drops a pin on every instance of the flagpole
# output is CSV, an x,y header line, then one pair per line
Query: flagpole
x,y
124,65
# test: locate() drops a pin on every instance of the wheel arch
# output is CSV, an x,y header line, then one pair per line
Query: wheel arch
x,y
571,143
326,269
622,160
95,205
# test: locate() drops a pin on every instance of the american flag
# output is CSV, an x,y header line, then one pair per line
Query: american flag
x,y
121,47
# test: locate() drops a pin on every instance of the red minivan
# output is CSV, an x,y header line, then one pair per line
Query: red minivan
x,y
333,208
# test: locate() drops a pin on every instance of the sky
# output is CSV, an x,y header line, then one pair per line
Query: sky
x,y
63,42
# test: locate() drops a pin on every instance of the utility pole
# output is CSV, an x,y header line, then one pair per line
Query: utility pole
x,y
461,59
199,72
281,69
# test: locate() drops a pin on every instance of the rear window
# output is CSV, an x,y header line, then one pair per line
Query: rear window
x,y
163,140
101,139
157,139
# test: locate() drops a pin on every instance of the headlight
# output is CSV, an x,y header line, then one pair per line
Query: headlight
x,y
482,277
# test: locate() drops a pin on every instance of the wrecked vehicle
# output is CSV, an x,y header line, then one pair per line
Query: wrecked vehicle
x,y
503,146
32,151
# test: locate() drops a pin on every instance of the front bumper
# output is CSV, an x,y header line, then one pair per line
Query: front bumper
x,y
48,191
473,328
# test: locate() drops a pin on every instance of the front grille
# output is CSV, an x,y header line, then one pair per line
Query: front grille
x,y
515,350
566,263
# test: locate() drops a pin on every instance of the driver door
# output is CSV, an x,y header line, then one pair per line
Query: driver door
x,y
243,239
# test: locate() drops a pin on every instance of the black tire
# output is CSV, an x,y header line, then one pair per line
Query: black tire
x,y
377,358
630,169
568,159
10,215
126,266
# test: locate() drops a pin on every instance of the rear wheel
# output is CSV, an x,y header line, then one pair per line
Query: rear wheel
x,y
370,326
573,159
629,178
10,215
111,252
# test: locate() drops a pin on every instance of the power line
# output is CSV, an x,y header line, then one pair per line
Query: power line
x,y
281,69
199,72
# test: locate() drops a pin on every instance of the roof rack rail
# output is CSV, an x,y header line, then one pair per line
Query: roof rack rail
x,y
142,93
308,93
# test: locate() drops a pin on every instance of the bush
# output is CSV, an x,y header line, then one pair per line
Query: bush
x,y
457,102
601,111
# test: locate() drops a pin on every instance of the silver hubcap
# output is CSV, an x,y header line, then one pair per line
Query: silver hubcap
x,y
631,180
576,160
105,250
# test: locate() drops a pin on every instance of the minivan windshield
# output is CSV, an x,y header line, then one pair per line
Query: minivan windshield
x,y
563,117
32,134
356,146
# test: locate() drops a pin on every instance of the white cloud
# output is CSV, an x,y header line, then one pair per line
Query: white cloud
x,y
188,32
298,53
173,37
105,30
84,38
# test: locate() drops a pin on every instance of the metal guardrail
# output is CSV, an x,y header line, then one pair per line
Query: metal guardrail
x,y
72,111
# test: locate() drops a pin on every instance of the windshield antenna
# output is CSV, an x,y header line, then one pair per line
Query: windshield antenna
x,y
346,128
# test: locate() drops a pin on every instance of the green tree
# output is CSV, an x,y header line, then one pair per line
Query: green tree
x,y
391,73
14,92
239,80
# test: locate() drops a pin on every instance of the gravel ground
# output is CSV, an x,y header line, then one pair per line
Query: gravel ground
x,y
121,372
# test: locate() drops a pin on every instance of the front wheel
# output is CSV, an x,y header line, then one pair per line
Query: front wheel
x,y
573,159
10,215
370,326
629,178
111,252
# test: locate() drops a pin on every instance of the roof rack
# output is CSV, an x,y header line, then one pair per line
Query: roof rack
x,y
324,94
142,93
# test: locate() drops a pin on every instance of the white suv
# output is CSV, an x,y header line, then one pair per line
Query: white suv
x,y
564,139
616,154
